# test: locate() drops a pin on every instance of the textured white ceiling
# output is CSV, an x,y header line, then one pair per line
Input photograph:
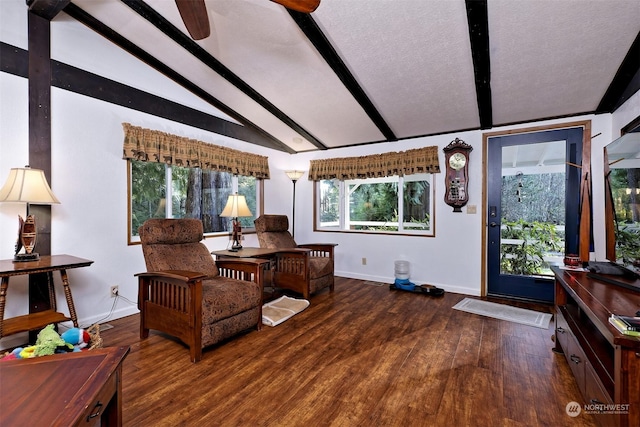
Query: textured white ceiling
x,y
412,58
556,58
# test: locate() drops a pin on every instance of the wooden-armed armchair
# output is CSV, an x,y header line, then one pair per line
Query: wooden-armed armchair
x,y
306,268
186,294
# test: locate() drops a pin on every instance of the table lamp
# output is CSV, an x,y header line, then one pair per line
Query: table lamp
x,y
236,207
26,185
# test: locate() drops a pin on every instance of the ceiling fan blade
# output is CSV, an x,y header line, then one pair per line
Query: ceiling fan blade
x,y
195,18
304,6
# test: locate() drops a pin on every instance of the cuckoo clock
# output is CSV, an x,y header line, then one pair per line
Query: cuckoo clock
x,y
457,174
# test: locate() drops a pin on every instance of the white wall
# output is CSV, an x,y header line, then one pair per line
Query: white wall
x,y
88,173
451,259
89,178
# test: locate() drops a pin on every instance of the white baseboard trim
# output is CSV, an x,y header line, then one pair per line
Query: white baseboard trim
x,y
13,341
447,287
117,314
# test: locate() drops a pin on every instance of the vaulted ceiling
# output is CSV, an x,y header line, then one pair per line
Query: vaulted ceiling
x,y
365,71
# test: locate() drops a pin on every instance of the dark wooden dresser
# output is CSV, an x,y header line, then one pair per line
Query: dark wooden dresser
x,y
605,363
73,389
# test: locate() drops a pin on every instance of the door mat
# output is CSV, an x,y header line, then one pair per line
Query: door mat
x,y
281,309
505,312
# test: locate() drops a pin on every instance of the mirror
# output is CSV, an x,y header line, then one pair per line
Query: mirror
x,y
622,193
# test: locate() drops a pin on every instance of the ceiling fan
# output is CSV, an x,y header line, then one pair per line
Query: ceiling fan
x,y
195,18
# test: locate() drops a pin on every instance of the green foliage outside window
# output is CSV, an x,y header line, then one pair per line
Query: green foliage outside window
x,y
539,197
625,191
526,257
148,192
194,193
329,201
374,204
628,244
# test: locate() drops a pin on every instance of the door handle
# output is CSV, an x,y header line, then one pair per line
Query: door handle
x,y
493,224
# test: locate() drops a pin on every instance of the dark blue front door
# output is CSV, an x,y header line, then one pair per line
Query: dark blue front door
x,y
533,209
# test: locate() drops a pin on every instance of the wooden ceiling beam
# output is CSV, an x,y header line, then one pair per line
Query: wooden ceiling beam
x,y
477,17
259,134
626,81
315,35
47,9
160,22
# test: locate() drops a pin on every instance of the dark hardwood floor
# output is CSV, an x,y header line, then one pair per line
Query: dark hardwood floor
x,y
362,356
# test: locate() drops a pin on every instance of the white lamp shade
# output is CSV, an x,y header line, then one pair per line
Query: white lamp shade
x,y
294,175
28,186
236,206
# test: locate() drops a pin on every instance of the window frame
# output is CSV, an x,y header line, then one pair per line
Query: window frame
x,y
341,226
133,240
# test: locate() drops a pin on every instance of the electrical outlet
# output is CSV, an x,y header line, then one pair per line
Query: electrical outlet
x,y
114,291
364,261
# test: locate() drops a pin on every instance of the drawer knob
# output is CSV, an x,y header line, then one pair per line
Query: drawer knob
x,y
575,359
95,412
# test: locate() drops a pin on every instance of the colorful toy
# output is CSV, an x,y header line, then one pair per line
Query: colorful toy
x,y
78,338
48,342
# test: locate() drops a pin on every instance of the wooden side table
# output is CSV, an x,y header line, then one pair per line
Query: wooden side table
x,y
69,389
47,264
269,291
246,253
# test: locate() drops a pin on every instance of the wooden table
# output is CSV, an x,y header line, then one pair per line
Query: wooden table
x,y
69,389
269,291
47,264
246,253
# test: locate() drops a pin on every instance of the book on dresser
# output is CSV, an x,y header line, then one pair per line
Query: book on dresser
x,y
623,326
632,323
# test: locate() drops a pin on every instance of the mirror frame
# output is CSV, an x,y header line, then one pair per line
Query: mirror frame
x,y
609,220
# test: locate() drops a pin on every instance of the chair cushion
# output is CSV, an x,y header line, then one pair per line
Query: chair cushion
x,y
276,240
270,223
171,231
174,244
223,297
273,232
320,266
187,256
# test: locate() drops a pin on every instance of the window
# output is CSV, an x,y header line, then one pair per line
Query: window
x,y
158,190
392,204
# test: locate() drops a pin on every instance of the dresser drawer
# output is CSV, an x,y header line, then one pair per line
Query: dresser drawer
x,y
98,406
562,331
595,395
576,359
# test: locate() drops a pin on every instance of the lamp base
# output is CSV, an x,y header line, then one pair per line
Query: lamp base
x,y
34,256
236,247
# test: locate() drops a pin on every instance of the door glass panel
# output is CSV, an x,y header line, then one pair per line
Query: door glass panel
x,y
532,208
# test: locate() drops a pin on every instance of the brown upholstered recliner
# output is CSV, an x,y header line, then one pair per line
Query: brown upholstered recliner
x,y
306,268
185,293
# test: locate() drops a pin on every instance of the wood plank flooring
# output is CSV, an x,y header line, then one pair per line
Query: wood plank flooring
x,y
362,356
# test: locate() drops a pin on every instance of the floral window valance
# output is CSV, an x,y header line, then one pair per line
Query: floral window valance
x,y
419,160
155,146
